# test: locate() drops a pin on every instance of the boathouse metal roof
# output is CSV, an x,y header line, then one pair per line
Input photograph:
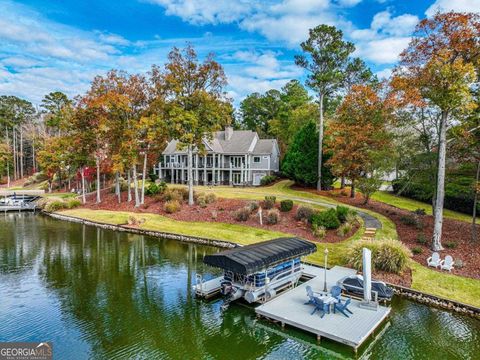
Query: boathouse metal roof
x,y
257,257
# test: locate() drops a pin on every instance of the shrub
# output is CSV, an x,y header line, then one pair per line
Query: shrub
x,y
409,220
172,195
54,205
184,192
172,206
267,180
154,189
286,205
327,218
242,214
210,198
417,250
73,203
342,212
269,202
387,255
351,218
202,201
421,238
273,216
451,244
304,213
319,232
344,229
420,212
253,205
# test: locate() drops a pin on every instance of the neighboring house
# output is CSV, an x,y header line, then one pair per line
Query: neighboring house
x,y
233,157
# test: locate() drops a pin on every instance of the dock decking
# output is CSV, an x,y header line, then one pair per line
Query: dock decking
x,y
288,308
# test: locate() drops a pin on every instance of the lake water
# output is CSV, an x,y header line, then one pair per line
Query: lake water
x,y
109,295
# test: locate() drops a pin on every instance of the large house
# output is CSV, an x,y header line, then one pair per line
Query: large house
x,y
232,157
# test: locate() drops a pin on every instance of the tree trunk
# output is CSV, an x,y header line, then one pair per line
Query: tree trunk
x,y
82,173
129,186
135,186
117,187
144,176
14,154
34,165
440,192
475,200
190,177
97,160
320,144
8,162
352,189
342,182
21,152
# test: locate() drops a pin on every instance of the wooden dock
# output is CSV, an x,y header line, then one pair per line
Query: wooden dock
x,y
289,309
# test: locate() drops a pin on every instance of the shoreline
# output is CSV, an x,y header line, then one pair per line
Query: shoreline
x,y
409,293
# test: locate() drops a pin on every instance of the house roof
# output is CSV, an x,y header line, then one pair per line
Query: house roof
x,y
264,146
240,142
250,259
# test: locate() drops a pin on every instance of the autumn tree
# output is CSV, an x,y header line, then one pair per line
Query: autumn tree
x,y
359,138
438,69
196,104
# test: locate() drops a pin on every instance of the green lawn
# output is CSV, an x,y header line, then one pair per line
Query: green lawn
x,y
235,233
411,205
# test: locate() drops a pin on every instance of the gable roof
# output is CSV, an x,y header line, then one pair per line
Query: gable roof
x,y
240,142
264,146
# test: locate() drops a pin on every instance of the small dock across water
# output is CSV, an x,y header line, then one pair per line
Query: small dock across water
x,y
288,308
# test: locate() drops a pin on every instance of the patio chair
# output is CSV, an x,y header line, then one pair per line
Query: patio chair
x,y
320,306
434,260
447,264
336,291
343,308
310,295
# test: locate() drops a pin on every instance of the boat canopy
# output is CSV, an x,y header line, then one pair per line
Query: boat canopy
x,y
253,258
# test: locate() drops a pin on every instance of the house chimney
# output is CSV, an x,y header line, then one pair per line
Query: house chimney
x,y
228,132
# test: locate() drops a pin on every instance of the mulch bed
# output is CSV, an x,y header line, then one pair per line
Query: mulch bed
x,y
454,231
220,211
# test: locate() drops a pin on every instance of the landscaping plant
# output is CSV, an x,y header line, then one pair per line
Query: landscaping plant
x,y
319,231
172,206
273,217
327,219
269,202
304,213
242,214
387,255
267,180
286,205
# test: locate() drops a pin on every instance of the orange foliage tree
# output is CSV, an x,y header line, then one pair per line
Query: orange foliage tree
x,y
438,69
359,136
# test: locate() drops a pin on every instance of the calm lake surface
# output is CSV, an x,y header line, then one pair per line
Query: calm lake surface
x,y
103,294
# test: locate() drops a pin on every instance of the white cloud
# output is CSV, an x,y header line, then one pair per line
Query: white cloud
x,y
386,38
384,74
453,5
203,12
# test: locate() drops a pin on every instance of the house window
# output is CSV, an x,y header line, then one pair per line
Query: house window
x,y
256,159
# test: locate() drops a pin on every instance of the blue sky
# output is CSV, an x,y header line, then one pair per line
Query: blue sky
x,y
49,45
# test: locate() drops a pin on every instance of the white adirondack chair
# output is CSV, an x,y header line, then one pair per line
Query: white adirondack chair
x,y
447,264
434,260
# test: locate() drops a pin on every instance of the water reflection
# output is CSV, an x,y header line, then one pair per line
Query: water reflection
x,y
105,294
